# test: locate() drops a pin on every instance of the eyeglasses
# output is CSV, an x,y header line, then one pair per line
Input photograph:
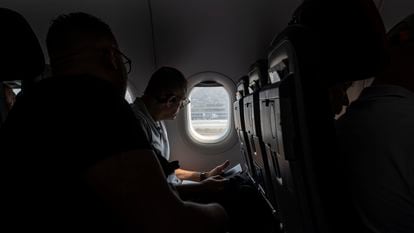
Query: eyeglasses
x,y
184,102
125,60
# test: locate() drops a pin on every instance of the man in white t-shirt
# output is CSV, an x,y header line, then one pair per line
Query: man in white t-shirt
x,y
163,98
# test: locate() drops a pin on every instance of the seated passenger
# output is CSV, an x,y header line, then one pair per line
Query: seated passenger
x,y
376,139
75,154
163,98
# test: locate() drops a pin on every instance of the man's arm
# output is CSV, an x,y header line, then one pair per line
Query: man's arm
x,y
183,174
134,186
198,176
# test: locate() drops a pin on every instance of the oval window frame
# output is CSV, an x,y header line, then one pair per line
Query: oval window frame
x,y
230,139
190,125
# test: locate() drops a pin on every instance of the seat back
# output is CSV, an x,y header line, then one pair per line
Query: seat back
x,y
287,106
239,123
258,77
297,119
21,56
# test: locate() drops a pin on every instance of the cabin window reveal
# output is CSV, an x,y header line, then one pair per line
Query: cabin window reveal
x,y
209,113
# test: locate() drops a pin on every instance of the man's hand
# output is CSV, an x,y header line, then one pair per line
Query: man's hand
x,y
219,169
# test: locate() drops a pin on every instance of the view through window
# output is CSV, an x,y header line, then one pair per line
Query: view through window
x,y
208,113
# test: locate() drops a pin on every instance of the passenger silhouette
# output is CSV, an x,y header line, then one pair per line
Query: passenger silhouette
x,y
75,153
375,137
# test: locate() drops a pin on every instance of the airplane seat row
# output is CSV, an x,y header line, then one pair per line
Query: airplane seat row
x,y
21,56
299,135
239,124
258,78
289,122
273,132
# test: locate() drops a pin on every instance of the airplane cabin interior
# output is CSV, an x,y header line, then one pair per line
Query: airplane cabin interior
x,y
259,75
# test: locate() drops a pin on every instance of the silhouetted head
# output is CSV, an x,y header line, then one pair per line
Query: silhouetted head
x,y
167,89
351,35
79,43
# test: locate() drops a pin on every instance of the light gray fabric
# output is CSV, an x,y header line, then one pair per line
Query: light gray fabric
x,y
156,133
376,136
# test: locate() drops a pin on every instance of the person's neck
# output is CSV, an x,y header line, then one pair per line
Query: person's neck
x,y
82,71
396,78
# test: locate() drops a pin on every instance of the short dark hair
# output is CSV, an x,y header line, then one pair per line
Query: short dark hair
x,y
165,81
68,31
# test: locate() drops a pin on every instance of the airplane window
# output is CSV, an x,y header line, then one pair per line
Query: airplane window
x,y
209,113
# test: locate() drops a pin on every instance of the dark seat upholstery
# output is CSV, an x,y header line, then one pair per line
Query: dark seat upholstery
x,y
258,78
287,104
21,56
326,43
239,124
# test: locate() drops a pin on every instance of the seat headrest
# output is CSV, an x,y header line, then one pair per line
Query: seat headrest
x,y
21,56
352,34
258,75
242,87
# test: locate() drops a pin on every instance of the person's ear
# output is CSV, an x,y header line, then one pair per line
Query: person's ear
x,y
111,59
171,100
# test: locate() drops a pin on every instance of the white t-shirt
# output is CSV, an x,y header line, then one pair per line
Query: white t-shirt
x,y
156,133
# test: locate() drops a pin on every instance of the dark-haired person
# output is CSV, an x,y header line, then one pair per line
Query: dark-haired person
x,y
76,152
376,139
164,96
